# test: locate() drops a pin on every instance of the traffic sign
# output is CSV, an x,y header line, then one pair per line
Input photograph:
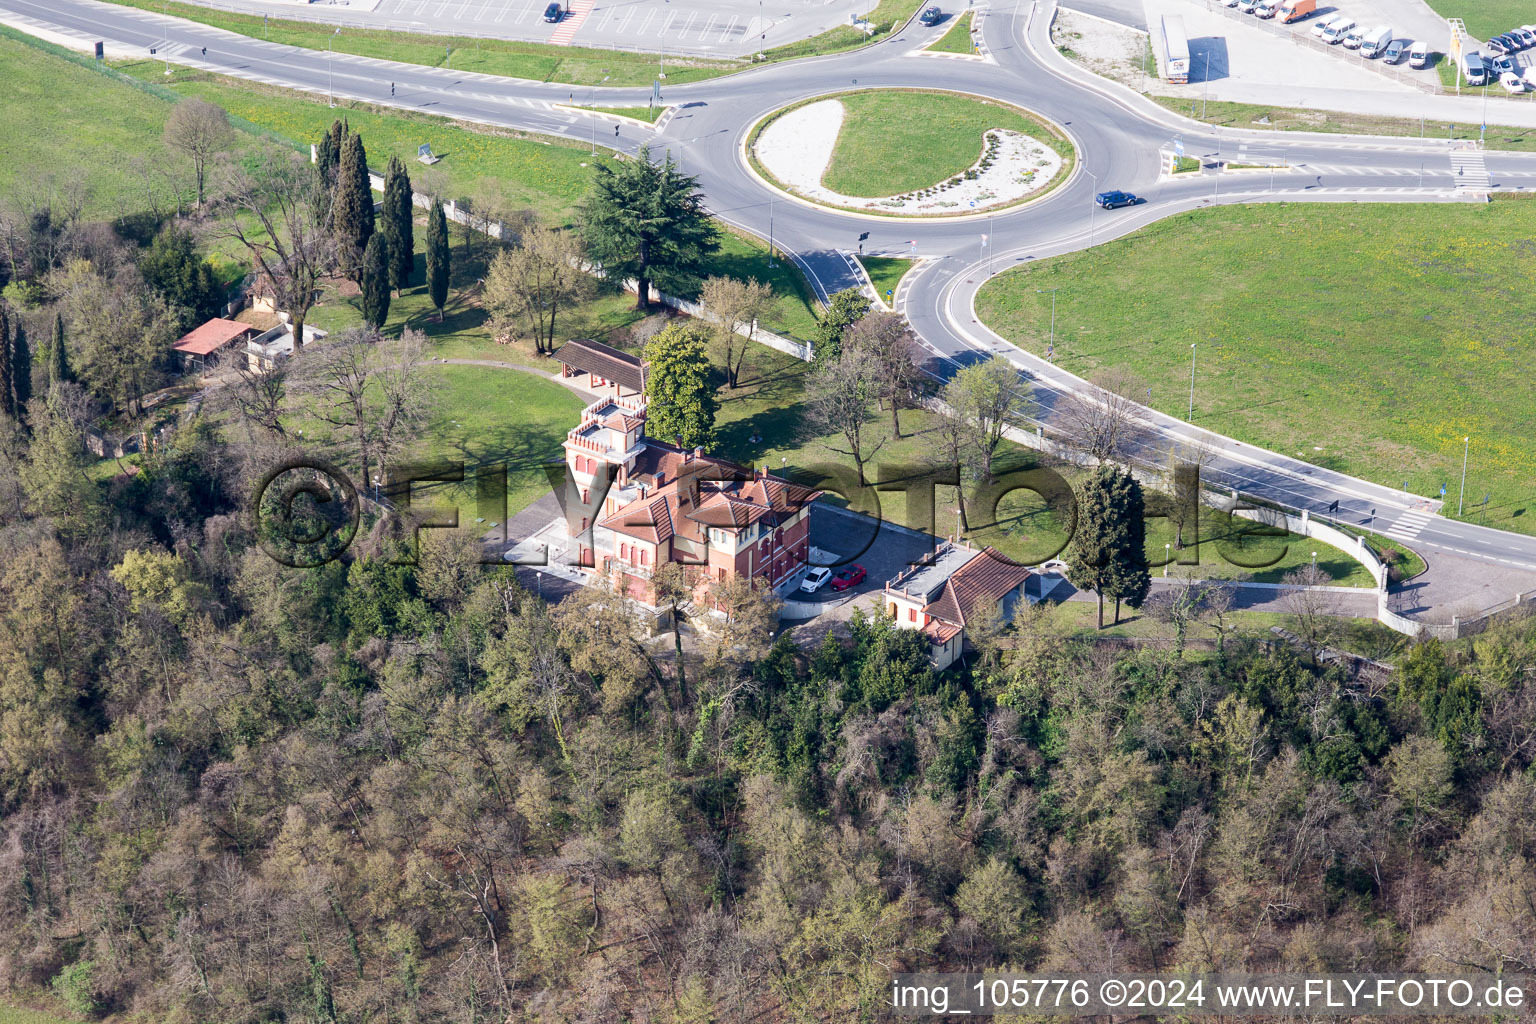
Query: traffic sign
x,y
1442,490
1178,147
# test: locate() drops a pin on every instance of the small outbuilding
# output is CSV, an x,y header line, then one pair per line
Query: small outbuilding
x,y
199,347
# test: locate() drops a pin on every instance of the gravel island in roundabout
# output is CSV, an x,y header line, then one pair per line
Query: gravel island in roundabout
x,y
910,153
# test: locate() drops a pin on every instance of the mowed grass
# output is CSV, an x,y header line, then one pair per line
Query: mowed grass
x,y
1368,339
958,38
885,273
16,1015
522,169
897,140
67,124
1332,122
1486,18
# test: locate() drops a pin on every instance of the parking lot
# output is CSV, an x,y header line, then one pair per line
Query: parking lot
x,y
719,27
884,552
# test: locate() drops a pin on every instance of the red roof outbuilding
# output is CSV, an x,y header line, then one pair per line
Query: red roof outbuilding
x,y
212,336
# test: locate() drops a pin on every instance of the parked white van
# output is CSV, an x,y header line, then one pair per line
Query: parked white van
x,y
1375,42
1418,54
1338,29
1319,27
1354,37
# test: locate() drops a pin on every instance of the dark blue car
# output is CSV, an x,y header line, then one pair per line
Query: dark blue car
x,y
1110,200
931,16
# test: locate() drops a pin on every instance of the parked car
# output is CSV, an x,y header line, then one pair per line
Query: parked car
x,y
1498,45
1230,3
1110,200
1321,25
1375,42
554,12
1396,50
1418,54
1266,8
815,580
847,579
1530,34
1512,82
1500,65
1338,30
1524,36
1473,68
1354,37
931,16
1246,6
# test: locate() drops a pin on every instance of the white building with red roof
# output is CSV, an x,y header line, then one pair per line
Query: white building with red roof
x,y
198,347
666,504
948,588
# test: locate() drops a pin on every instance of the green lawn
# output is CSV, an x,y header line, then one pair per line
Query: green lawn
x,y
745,256
1368,339
523,169
1290,119
1486,18
897,140
1185,164
1365,637
540,62
61,119
885,273
13,1015
958,38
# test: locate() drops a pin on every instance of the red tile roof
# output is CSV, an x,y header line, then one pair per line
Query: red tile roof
x,y
212,336
589,356
988,577
687,494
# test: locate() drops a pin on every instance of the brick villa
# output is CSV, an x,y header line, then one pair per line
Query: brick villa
x,y
669,504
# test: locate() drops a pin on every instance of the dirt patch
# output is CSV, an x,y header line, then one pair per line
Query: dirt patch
x,y
1113,51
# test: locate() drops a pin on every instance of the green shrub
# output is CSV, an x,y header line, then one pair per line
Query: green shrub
x,y
76,989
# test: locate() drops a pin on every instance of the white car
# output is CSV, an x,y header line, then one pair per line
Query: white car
x,y
1512,82
1246,6
815,580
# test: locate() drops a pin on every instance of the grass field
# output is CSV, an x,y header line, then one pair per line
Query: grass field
x,y
1486,18
958,38
897,140
1290,119
885,273
1185,164
67,123
525,170
1368,339
14,1015
539,62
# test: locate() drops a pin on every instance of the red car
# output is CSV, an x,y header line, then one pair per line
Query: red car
x,y
848,578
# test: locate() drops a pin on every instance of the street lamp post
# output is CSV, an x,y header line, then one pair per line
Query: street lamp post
x,y
1466,444
1207,96
770,233
1094,209
1192,381
329,90
1167,557
1039,291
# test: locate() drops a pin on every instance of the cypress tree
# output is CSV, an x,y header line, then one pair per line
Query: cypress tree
x,y
21,370
1129,578
437,258
397,224
58,355
328,153
353,206
376,263
1109,548
7,385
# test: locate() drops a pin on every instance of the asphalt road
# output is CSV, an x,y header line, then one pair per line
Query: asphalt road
x,y
1118,135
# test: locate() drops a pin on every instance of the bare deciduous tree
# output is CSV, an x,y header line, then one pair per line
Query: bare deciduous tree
x,y
200,130
1097,425
528,287
841,392
1311,608
373,388
738,304
887,340
272,211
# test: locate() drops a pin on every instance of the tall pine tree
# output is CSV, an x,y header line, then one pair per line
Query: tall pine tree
x,y
646,221
58,355
376,263
437,258
1109,548
353,206
7,380
397,226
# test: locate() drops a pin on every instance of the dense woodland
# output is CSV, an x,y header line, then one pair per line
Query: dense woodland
x,y
232,791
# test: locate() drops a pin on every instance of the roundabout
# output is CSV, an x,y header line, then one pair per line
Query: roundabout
x,y
910,153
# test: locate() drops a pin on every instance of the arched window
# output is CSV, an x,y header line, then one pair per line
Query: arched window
x,y
645,557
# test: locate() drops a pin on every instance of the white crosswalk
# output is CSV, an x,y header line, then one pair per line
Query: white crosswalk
x,y
1408,525
1471,171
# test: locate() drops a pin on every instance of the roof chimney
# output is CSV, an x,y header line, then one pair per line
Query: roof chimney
x,y
698,453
